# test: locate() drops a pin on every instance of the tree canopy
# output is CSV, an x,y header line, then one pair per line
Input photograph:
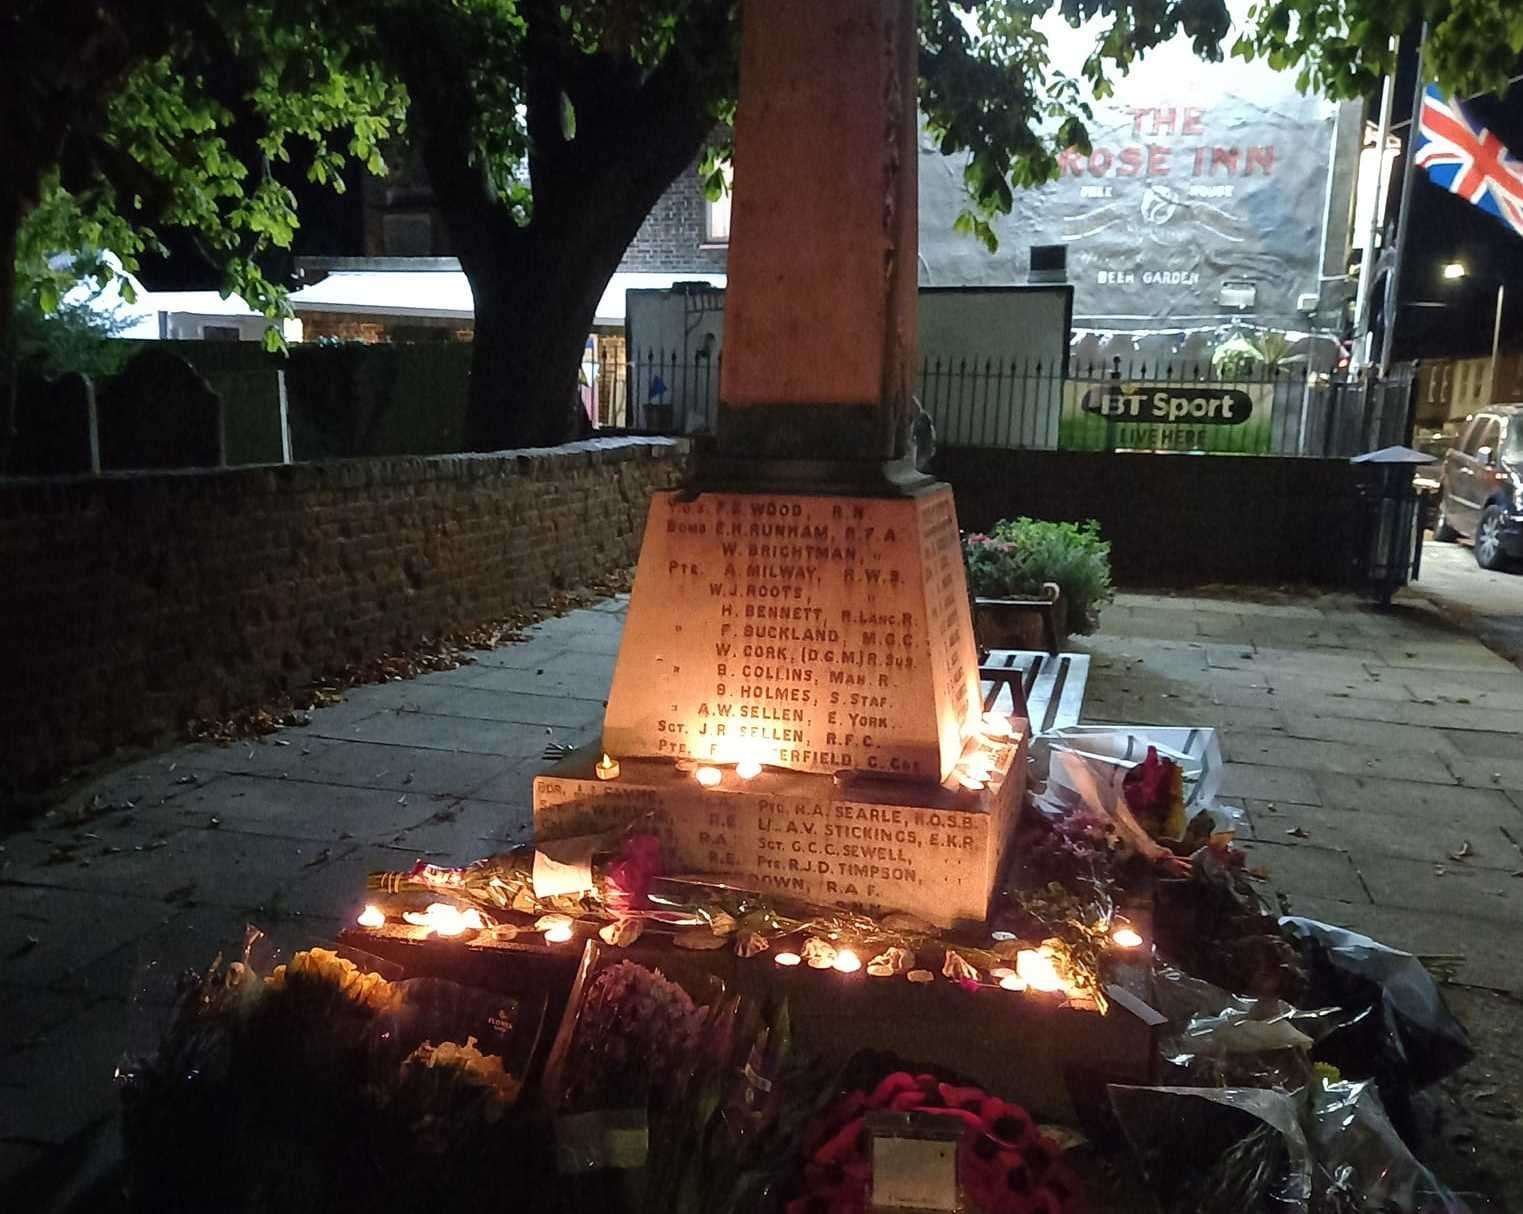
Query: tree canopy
x,y
549,128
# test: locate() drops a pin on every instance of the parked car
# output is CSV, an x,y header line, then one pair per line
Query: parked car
x,y
1480,494
1437,443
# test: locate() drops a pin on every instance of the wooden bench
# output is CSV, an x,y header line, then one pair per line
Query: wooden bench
x,y
1046,689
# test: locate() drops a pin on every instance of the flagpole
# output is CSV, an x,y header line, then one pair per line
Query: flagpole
x,y
1393,283
1367,261
1496,342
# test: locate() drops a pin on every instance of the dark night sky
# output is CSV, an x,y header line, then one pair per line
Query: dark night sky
x,y
1443,228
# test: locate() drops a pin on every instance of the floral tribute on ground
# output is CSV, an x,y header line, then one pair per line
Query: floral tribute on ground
x,y
619,1037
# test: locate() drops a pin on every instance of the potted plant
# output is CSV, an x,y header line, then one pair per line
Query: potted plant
x,y
1034,582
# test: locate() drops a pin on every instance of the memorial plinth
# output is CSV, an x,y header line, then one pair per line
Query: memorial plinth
x,y
867,843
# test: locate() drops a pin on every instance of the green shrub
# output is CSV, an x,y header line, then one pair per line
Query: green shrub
x,y
1020,555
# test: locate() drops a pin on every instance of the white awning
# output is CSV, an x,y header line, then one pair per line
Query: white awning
x,y
446,294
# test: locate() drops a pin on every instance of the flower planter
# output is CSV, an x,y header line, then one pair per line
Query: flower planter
x,y
1024,623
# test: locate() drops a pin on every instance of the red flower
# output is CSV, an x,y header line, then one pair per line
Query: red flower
x,y
629,877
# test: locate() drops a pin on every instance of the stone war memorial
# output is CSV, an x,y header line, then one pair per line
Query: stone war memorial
x,y
810,927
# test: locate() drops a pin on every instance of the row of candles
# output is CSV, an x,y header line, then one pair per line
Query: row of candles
x,y
1035,968
972,771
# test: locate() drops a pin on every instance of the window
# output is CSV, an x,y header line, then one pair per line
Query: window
x,y
1484,432
407,235
220,333
716,215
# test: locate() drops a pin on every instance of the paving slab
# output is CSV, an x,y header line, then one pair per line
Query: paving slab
x,y
62,1082
1490,773
1448,889
1425,806
1324,872
1280,784
401,769
560,678
1488,948
71,928
1370,735
1484,744
522,708
1309,754
1367,836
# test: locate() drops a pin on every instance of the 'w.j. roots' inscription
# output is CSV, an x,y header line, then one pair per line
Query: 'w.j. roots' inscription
x,y
813,633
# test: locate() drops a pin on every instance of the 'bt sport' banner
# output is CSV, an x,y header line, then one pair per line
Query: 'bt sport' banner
x,y
1126,415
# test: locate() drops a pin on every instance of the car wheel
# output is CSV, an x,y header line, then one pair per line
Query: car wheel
x,y
1488,540
1442,531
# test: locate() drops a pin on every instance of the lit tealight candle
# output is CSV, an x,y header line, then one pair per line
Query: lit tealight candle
x,y
1001,971
847,961
709,777
1011,983
748,769
372,916
1126,937
1036,970
997,725
558,933
608,767
787,958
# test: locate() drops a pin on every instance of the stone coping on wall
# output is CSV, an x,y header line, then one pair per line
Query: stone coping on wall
x,y
390,469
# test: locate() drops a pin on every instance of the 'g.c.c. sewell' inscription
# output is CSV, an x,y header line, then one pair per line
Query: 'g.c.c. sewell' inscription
x,y
813,633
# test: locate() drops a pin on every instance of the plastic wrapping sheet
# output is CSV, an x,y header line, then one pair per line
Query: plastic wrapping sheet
x,y
1328,1148
1399,1031
1361,1162
1218,1150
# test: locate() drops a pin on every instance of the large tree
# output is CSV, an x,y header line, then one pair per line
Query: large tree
x,y
549,128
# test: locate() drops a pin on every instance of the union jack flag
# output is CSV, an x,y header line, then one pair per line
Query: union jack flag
x,y
1467,159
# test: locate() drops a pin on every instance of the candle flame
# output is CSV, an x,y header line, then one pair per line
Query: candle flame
x,y
559,933
1036,970
371,916
787,958
442,919
708,776
748,769
1126,937
847,961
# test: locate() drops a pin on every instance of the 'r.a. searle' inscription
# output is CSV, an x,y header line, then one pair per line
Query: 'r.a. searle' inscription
x,y
805,632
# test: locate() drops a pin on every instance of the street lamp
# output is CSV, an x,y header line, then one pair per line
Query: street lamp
x,y
1455,270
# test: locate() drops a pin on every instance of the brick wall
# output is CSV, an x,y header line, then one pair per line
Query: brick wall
x,y
672,236
133,603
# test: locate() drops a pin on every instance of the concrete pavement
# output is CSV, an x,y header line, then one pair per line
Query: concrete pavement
x,y
1489,603
1379,756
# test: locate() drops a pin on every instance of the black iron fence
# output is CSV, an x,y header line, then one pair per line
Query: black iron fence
x,y
1109,406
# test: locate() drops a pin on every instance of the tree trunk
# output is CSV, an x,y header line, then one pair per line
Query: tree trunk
x,y
12,211
534,311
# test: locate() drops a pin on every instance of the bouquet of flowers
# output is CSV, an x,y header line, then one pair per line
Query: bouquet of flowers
x,y
1005,1165
635,1033
314,1088
592,875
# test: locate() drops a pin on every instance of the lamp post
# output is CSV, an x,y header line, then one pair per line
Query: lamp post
x,y
1457,271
